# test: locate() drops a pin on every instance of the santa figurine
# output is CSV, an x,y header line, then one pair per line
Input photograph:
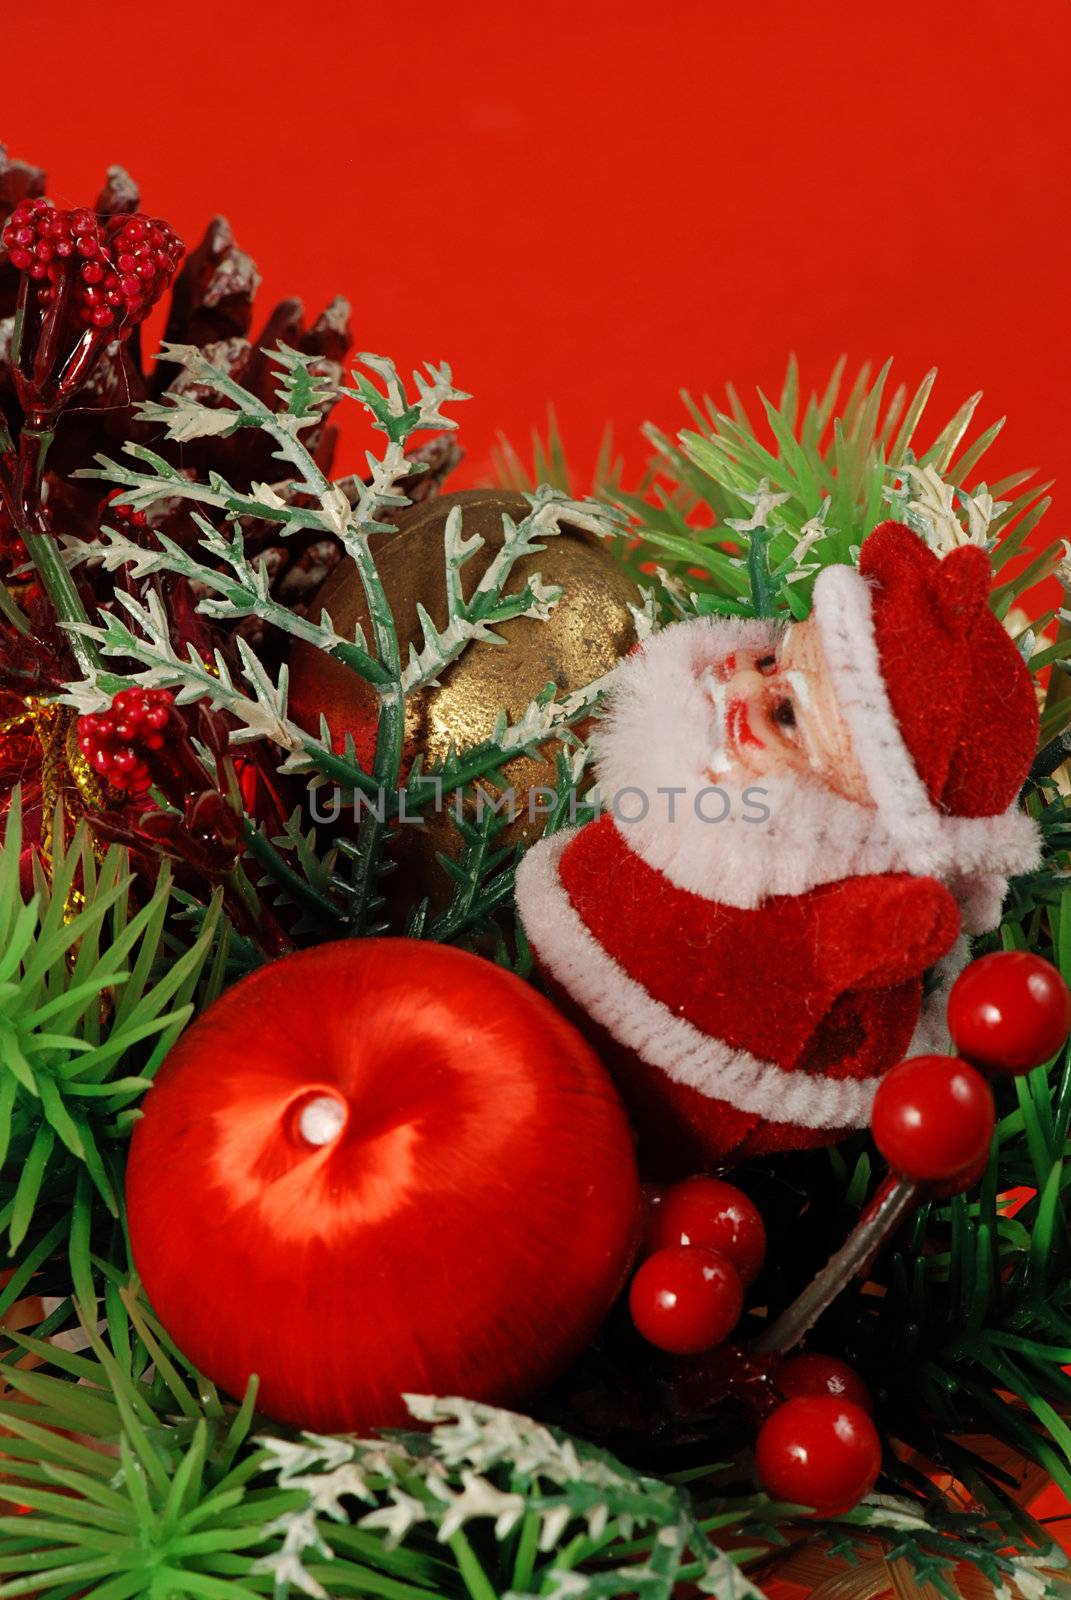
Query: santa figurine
x,y
803,826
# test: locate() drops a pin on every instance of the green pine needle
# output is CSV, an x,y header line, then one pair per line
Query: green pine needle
x,y
89,1007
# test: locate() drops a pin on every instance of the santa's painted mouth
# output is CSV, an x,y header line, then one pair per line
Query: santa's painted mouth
x,y
739,728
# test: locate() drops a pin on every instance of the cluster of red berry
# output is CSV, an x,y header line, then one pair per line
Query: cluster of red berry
x,y
118,742
933,1121
933,1116
122,264
705,1243
819,1447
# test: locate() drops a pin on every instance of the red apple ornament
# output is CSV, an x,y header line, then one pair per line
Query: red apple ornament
x,y
380,1167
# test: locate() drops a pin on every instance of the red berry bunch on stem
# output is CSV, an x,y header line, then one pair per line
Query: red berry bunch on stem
x,y
116,513
85,281
119,743
933,1120
706,1244
117,267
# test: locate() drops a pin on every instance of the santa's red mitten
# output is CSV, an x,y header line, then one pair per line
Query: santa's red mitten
x,y
879,931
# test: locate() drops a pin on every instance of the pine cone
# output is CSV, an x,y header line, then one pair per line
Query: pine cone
x,y
211,306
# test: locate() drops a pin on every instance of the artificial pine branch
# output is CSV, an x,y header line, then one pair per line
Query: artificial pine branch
x,y
828,480
88,1010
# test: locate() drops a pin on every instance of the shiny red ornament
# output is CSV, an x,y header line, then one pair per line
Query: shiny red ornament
x,y
380,1167
820,1452
1009,1012
933,1117
815,1374
710,1212
685,1299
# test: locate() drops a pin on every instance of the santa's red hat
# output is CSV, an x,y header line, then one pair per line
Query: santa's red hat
x,y
941,707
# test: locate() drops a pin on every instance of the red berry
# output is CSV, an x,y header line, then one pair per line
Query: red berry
x,y
815,1374
933,1117
820,1452
709,1212
685,1299
1010,1011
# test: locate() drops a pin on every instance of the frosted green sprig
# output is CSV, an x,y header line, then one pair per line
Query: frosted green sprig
x,y
552,1504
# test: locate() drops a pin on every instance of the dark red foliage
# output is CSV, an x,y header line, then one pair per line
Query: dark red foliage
x,y
85,279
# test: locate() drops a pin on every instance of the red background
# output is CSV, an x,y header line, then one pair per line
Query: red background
x,y
597,202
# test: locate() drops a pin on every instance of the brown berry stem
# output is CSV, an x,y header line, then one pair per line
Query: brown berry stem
x,y
893,1199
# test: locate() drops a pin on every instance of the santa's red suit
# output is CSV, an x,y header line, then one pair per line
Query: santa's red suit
x,y
748,979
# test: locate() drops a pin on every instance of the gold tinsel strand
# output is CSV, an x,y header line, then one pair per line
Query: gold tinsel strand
x,y
63,766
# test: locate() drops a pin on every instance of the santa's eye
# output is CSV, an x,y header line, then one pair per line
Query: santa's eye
x,y
766,664
784,713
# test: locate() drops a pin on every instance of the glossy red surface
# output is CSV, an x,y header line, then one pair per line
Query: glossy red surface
x,y
815,1374
933,1117
463,1227
685,1299
1009,1011
708,1211
818,1451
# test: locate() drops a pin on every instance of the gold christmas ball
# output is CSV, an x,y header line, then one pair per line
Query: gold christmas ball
x,y
587,631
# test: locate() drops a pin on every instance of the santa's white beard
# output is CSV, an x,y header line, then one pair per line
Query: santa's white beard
x,y
726,837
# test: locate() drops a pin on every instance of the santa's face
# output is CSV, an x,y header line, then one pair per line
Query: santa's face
x,y
777,714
